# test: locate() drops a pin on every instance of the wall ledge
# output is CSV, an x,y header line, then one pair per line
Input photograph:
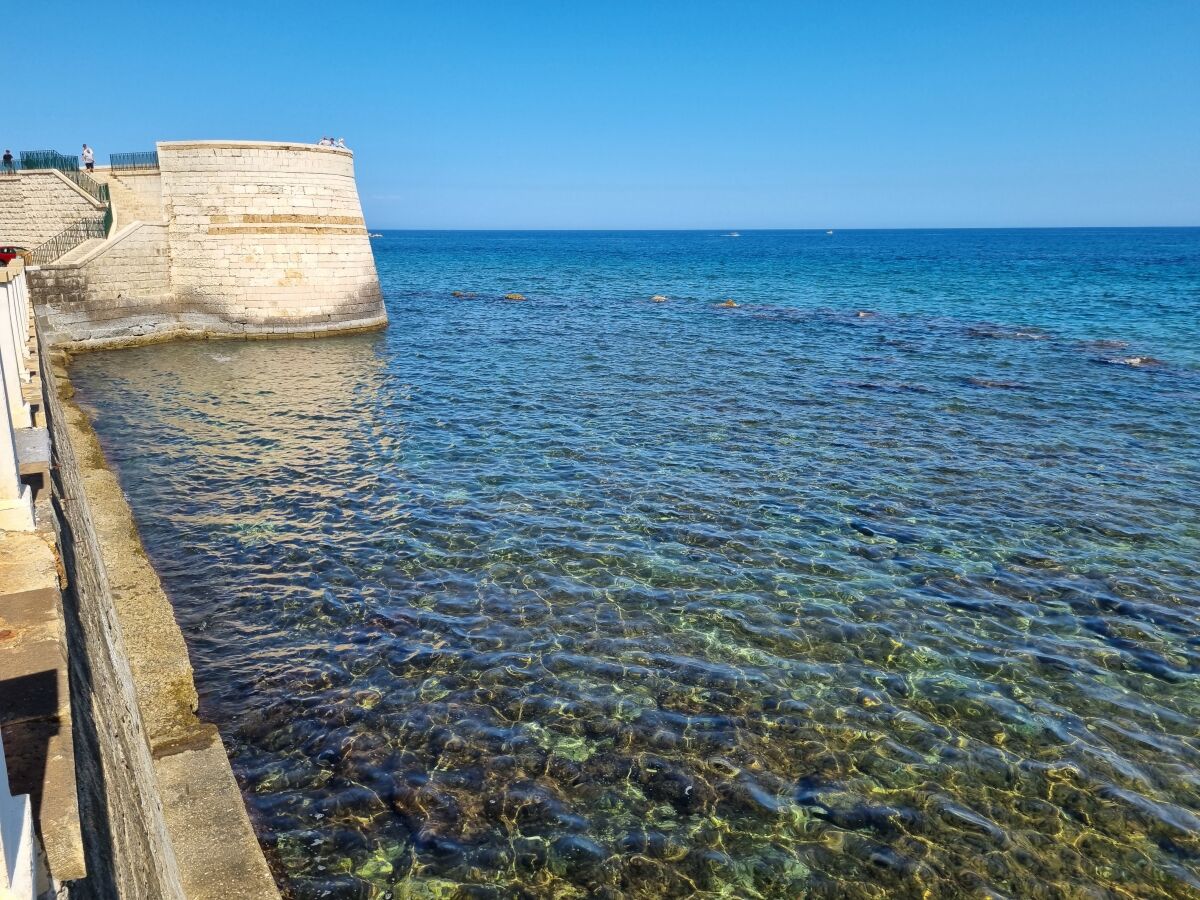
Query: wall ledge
x,y
203,846
253,145
218,330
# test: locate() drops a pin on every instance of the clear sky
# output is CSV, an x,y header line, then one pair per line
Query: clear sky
x,y
611,114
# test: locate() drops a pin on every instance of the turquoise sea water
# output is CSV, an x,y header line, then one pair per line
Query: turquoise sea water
x,y
884,583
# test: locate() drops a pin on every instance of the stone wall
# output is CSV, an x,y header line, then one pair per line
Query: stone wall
x,y
136,195
257,239
120,290
37,205
270,236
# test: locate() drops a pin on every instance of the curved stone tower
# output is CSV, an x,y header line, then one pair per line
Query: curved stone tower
x,y
268,235
251,238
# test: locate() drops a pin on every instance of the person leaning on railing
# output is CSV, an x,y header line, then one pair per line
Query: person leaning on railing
x,y
8,161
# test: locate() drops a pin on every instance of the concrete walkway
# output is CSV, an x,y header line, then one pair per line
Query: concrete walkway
x,y
35,699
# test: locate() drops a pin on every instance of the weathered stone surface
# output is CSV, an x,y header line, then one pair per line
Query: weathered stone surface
x,y
156,651
35,699
218,855
37,205
33,657
26,562
228,239
136,195
268,235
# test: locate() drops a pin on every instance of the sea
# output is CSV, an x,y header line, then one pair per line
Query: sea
x,y
882,580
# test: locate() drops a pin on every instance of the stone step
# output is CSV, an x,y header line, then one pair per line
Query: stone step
x,y
77,253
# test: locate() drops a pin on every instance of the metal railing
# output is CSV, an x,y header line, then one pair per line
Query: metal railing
x,y
130,162
91,185
70,238
68,165
39,159
49,159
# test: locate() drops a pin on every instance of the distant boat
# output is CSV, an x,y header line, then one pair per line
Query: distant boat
x,y
733,234
829,232
375,234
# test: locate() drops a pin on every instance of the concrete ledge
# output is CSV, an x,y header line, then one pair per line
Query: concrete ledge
x,y
216,330
219,857
162,672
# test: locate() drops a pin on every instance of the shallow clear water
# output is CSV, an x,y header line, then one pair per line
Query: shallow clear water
x,y
593,596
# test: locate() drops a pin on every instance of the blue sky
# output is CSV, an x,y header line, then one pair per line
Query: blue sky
x,y
656,115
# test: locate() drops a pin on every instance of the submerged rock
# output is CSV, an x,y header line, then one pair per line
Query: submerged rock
x,y
576,856
1135,362
514,296
728,304
659,298
995,383
998,332
1104,344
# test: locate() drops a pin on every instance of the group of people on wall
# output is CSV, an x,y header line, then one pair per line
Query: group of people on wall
x,y
88,157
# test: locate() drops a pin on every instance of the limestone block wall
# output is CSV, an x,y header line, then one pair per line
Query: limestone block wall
x,y
118,291
227,238
268,236
136,195
37,205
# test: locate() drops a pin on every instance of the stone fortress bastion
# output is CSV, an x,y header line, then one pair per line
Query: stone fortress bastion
x,y
224,238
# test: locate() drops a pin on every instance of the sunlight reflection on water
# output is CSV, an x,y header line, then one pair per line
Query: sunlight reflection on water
x,y
589,596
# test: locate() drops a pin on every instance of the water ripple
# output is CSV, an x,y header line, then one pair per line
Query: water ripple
x,y
593,596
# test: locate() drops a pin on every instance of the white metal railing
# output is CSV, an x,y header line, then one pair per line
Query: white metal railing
x,y
16,818
16,507
16,841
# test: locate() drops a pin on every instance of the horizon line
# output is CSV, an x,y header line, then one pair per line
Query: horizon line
x,y
818,229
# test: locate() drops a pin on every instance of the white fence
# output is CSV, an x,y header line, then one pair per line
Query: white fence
x,y
16,841
16,506
16,514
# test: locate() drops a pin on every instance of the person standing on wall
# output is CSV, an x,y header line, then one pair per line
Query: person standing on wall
x,y
8,160
89,158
